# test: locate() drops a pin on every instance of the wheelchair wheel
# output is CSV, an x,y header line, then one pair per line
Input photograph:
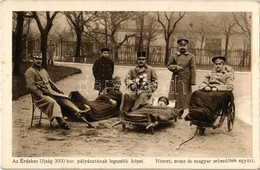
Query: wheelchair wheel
x,y
231,117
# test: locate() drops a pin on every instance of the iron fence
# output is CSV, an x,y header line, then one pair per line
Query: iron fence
x,y
65,51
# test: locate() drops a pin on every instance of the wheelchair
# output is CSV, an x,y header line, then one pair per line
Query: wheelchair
x,y
228,112
221,115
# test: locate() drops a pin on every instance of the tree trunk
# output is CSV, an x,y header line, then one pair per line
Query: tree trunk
x,y
18,43
77,52
167,41
226,46
147,53
44,38
201,52
116,53
106,37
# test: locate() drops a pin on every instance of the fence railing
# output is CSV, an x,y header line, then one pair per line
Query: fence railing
x,y
65,51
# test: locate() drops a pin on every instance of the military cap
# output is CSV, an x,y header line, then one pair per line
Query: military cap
x,y
181,40
105,49
117,79
141,54
164,99
37,54
218,58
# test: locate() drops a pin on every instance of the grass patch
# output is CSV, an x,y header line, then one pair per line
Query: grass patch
x,y
56,73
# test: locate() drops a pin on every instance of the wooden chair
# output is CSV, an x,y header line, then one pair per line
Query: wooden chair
x,y
37,117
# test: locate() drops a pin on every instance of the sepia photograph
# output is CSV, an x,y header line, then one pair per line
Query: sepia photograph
x,y
130,85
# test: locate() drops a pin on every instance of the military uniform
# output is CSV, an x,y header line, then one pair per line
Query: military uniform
x,y
140,96
182,80
103,70
221,80
46,95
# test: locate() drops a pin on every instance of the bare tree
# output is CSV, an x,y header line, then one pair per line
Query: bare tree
x,y
151,32
227,27
243,20
48,19
140,26
77,21
169,22
111,23
18,42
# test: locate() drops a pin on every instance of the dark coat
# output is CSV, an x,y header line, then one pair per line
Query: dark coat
x,y
102,108
181,82
103,70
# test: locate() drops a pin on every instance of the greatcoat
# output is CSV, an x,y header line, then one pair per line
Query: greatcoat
x,y
139,97
182,80
103,69
39,83
222,80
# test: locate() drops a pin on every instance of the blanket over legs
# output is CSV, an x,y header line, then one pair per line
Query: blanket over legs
x,y
158,113
204,105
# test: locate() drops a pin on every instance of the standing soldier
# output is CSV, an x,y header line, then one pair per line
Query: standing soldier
x,y
51,51
183,68
103,69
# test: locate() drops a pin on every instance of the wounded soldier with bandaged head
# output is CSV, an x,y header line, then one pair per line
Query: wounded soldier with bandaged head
x,y
214,94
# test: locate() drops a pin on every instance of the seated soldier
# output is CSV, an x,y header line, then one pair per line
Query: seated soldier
x,y
105,106
162,112
214,93
107,103
141,82
46,95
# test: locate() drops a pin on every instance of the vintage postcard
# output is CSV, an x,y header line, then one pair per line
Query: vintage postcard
x,y
130,84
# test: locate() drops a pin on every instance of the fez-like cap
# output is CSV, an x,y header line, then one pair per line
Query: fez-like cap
x,y
164,99
117,79
218,58
182,40
141,54
105,49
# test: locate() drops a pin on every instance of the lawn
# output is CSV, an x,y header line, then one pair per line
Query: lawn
x,y
56,73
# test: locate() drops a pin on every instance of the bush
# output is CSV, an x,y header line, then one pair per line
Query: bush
x,y
56,73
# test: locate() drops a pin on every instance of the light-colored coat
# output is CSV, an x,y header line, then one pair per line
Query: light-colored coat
x,y
39,83
222,80
141,96
182,80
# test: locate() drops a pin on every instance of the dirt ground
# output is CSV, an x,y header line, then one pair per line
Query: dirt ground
x,y
108,141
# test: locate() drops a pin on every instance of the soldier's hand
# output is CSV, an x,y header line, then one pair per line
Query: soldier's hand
x,y
179,68
214,89
113,101
133,87
207,88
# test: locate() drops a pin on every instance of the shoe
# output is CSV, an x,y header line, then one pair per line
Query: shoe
x,y
65,126
181,111
83,113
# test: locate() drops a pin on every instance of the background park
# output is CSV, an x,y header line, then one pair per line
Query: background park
x,y
78,37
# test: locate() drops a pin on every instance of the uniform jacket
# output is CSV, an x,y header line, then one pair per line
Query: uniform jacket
x,y
38,83
182,80
137,71
222,80
103,70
